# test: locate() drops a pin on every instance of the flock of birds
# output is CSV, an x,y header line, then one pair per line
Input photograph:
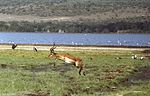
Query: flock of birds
x,y
133,57
15,45
136,57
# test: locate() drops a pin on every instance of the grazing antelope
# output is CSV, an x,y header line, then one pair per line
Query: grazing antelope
x,y
67,58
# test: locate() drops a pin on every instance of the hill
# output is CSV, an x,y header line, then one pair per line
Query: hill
x,y
76,16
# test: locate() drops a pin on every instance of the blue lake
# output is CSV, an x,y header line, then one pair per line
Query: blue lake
x,y
75,39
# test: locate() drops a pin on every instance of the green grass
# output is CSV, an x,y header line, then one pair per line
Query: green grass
x,y
33,72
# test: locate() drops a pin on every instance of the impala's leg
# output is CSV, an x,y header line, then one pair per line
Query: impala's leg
x,y
80,66
54,64
80,70
55,60
83,73
74,63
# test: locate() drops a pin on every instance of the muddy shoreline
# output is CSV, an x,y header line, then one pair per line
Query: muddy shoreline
x,y
73,47
113,46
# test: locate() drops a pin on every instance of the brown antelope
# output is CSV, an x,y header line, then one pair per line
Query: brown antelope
x,y
67,58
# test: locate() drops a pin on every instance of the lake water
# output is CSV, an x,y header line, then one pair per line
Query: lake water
x,y
76,39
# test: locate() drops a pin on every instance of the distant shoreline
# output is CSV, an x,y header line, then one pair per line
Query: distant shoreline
x,y
73,48
72,32
67,45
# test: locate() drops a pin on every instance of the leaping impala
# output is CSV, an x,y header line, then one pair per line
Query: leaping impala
x,y
67,58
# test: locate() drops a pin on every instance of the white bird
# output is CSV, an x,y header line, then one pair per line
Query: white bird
x,y
141,58
118,58
134,57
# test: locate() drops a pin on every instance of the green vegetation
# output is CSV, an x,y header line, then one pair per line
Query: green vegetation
x,y
140,25
29,73
46,8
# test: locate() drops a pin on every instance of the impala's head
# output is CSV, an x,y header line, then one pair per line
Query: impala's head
x,y
52,52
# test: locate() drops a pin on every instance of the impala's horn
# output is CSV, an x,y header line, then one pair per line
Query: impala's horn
x,y
52,48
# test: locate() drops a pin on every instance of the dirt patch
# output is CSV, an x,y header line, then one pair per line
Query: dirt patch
x,y
5,66
148,57
91,69
146,51
36,93
142,74
61,68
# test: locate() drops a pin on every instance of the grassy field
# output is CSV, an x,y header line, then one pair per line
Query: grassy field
x,y
29,73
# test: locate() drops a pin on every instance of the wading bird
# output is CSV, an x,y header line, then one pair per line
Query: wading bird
x,y
134,57
142,58
67,58
14,46
35,49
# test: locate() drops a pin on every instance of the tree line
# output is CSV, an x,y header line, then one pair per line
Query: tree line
x,y
76,27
